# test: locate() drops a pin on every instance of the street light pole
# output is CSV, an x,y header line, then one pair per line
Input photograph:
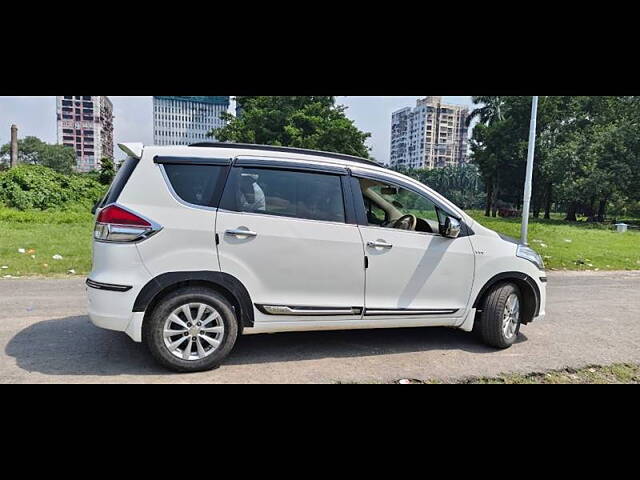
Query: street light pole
x,y
529,176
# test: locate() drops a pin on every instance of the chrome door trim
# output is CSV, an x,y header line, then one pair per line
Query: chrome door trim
x,y
370,312
357,311
308,311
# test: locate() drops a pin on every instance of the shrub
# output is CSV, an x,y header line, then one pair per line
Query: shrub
x,y
27,187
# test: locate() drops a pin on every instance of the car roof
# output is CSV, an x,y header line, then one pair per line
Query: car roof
x,y
213,150
277,148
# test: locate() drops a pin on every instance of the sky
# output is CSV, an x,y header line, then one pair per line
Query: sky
x,y
133,122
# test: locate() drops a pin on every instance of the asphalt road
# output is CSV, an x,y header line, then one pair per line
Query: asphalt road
x,y
46,337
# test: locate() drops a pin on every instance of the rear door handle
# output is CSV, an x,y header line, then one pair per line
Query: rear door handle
x,y
379,245
240,232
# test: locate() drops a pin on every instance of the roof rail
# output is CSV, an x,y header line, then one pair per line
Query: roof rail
x,y
275,148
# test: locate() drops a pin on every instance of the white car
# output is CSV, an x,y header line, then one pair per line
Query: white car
x,y
195,245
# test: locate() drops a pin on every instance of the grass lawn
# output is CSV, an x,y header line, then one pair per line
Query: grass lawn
x,y
573,246
43,235
621,373
68,233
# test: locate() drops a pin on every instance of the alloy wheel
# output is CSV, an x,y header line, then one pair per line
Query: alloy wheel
x,y
511,316
193,331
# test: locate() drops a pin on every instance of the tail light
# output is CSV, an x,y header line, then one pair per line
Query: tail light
x,y
117,224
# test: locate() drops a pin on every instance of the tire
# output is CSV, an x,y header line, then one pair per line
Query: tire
x,y
493,328
210,325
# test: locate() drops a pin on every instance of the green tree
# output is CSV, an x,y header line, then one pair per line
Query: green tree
x,y
33,151
587,154
489,110
60,158
29,149
313,122
462,184
107,171
494,144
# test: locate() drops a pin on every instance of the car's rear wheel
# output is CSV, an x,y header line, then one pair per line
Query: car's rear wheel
x,y
191,330
500,320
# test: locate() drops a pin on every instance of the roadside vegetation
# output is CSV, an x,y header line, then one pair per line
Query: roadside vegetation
x,y
30,240
620,373
573,245
46,221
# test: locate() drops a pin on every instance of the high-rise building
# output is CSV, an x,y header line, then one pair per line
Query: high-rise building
x,y
86,125
431,135
186,120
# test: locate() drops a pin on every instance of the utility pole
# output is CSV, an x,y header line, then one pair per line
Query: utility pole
x,y
529,176
13,158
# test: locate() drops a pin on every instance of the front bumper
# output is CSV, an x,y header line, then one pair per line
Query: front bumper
x,y
541,283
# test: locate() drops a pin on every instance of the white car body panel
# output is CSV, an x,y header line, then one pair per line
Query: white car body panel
x,y
293,262
298,262
187,239
495,256
121,265
419,271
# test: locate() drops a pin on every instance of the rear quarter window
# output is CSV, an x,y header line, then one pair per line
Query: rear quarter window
x,y
197,184
120,180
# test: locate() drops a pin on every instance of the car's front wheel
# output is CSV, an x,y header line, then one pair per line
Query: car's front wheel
x,y
500,320
191,330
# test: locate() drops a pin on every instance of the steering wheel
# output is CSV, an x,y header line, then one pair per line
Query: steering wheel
x,y
406,222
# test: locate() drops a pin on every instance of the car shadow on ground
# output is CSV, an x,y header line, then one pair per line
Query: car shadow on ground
x,y
73,346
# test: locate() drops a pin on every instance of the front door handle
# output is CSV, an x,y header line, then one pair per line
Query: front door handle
x,y
241,232
379,245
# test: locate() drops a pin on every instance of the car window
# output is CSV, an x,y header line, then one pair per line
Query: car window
x,y
196,184
391,206
120,180
313,196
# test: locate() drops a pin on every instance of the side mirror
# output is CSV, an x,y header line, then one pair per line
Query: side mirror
x,y
451,228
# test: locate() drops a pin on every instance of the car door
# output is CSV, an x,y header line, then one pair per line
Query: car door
x,y
284,233
415,272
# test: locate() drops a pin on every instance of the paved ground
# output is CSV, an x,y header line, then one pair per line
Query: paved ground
x,y
46,337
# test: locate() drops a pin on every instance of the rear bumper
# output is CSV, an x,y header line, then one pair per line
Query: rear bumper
x,y
112,310
113,285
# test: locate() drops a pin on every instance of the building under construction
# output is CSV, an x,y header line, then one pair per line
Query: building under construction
x,y
86,125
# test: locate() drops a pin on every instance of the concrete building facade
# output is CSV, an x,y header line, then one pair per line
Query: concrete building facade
x,y
85,123
187,120
431,135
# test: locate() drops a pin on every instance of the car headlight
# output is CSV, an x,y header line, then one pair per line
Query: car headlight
x,y
531,255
